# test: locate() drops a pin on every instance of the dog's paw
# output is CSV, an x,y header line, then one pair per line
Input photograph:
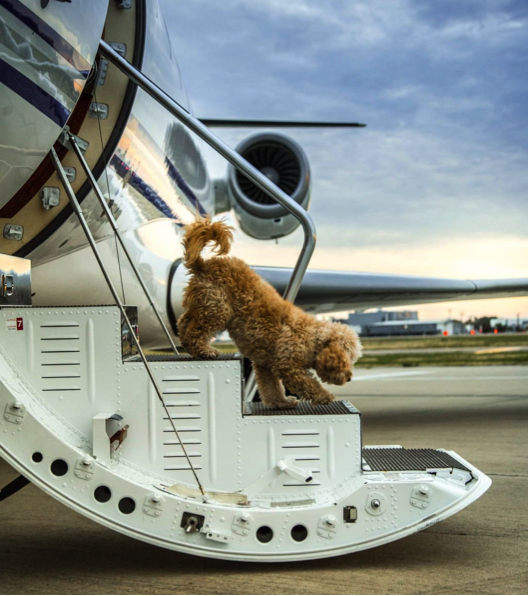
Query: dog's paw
x,y
323,400
288,404
208,354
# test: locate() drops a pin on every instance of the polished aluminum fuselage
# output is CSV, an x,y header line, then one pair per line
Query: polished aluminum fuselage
x,y
155,179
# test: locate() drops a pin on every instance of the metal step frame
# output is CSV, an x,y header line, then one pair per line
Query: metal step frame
x,y
86,426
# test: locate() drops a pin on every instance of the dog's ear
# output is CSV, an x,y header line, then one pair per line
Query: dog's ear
x,y
331,360
323,361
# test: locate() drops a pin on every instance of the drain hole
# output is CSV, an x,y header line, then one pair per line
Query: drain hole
x,y
299,533
264,534
37,457
102,494
127,505
59,467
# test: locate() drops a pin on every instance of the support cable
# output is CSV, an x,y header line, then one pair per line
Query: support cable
x,y
113,223
78,211
109,200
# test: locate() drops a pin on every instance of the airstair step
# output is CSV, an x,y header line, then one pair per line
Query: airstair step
x,y
183,358
399,459
336,408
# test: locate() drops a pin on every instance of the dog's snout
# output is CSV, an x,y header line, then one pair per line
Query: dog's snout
x,y
350,377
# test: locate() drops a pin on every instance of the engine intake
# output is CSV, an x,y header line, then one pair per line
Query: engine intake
x,y
285,163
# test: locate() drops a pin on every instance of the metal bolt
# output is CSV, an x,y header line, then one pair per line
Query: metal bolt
x,y
16,405
155,498
375,503
87,460
423,490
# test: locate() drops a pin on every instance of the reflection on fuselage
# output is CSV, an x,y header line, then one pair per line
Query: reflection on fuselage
x,y
130,177
141,163
155,172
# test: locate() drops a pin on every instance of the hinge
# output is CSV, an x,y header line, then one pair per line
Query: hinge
x,y
153,505
71,173
14,412
84,468
118,47
98,110
50,197
65,141
13,232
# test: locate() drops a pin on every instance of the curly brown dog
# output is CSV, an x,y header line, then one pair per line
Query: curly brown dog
x,y
281,340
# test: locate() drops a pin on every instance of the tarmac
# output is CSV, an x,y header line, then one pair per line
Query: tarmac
x,y
479,412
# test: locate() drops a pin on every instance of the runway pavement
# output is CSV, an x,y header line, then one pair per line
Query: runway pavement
x,y
479,412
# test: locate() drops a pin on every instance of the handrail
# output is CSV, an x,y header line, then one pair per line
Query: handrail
x,y
241,164
309,242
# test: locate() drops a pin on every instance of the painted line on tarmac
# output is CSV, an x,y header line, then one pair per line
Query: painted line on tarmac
x,y
392,375
423,379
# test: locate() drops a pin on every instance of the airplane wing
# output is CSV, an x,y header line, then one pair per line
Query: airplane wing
x,y
333,291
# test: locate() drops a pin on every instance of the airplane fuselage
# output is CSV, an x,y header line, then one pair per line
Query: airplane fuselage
x,y
148,165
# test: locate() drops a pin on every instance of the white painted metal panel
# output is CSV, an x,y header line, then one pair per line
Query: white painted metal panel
x,y
49,440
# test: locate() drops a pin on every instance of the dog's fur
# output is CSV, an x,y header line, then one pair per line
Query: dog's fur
x,y
281,340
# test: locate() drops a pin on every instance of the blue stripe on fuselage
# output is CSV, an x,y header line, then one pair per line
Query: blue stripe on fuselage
x,y
48,34
33,94
146,191
175,175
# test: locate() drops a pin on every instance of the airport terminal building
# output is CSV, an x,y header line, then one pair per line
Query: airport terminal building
x,y
384,323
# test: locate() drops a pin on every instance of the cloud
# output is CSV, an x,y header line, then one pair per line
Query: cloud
x,y
410,189
441,171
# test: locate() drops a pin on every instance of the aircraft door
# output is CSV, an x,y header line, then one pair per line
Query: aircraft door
x,y
47,49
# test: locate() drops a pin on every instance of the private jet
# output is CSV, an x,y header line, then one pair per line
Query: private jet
x,y
101,168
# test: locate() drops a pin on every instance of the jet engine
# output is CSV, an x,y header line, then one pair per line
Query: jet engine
x,y
285,163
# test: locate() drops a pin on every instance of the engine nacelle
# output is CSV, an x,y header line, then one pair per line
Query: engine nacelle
x,y
285,163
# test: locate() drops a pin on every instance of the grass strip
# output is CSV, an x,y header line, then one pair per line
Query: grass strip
x,y
450,342
450,358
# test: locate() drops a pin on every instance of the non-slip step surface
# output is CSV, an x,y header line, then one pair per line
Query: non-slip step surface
x,y
304,408
399,459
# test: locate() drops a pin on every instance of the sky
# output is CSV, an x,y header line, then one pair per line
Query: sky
x,y
436,184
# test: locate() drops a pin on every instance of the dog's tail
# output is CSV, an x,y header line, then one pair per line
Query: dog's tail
x,y
198,234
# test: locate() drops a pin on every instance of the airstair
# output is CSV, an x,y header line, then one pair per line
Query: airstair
x,y
173,451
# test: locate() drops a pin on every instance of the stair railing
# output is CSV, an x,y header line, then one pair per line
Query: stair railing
x,y
239,162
